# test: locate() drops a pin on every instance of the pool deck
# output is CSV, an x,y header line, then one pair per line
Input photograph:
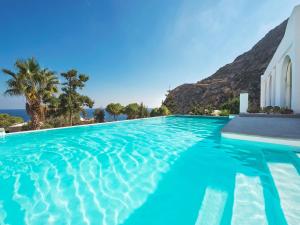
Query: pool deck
x,y
275,129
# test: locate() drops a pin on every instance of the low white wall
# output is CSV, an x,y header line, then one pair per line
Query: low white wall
x,y
244,102
2,132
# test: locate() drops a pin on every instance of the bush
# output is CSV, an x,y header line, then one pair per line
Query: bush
x,y
59,121
164,111
286,110
276,109
7,120
197,110
154,112
268,109
253,109
224,112
200,110
161,111
99,115
232,105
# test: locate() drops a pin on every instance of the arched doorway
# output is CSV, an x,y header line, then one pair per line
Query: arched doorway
x,y
287,82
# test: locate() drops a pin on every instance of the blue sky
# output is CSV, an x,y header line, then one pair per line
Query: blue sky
x,y
133,50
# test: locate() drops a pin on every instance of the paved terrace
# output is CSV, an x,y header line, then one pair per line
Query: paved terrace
x,y
276,129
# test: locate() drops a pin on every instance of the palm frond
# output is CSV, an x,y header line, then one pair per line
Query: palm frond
x,y
13,92
10,73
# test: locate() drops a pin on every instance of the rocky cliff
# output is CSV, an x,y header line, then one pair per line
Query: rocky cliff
x,y
243,74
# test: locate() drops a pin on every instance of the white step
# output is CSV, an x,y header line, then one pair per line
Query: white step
x,y
249,204
287,182
212,207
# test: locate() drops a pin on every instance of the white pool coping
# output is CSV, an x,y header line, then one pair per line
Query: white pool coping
x,y
256,138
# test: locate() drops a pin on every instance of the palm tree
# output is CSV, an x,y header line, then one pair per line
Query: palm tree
x,y
48,86
35,84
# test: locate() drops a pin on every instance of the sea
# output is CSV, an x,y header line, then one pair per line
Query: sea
x,y
90,114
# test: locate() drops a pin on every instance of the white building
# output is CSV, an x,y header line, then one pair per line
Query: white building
x,y
280,84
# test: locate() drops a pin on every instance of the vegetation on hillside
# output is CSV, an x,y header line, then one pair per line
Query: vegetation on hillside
x,y
7,120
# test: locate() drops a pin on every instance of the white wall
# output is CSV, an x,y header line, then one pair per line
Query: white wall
x,y
244,102
288,48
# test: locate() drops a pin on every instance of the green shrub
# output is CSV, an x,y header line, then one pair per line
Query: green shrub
x,y
164,111
224,112
200,110
7,120
161,111
197,110
286,110
268,109
59,121
232,105
253,109
154,112
276,109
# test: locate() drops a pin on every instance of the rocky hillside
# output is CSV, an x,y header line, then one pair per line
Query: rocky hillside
x,y
243,74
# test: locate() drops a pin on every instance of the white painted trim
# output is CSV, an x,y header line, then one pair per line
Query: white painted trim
x,y
2,132
84,125
255,138
110,122
201,116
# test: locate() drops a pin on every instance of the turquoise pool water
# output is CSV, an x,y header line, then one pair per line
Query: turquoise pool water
x,y
172,170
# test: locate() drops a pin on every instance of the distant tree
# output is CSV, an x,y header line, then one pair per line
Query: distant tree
x,y
164,111
7,120
71,102
155,112
114,109
99,115
35,84
161,111
132,110
143,111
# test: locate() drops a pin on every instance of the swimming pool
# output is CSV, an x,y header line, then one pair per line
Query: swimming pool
x,y
166,170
